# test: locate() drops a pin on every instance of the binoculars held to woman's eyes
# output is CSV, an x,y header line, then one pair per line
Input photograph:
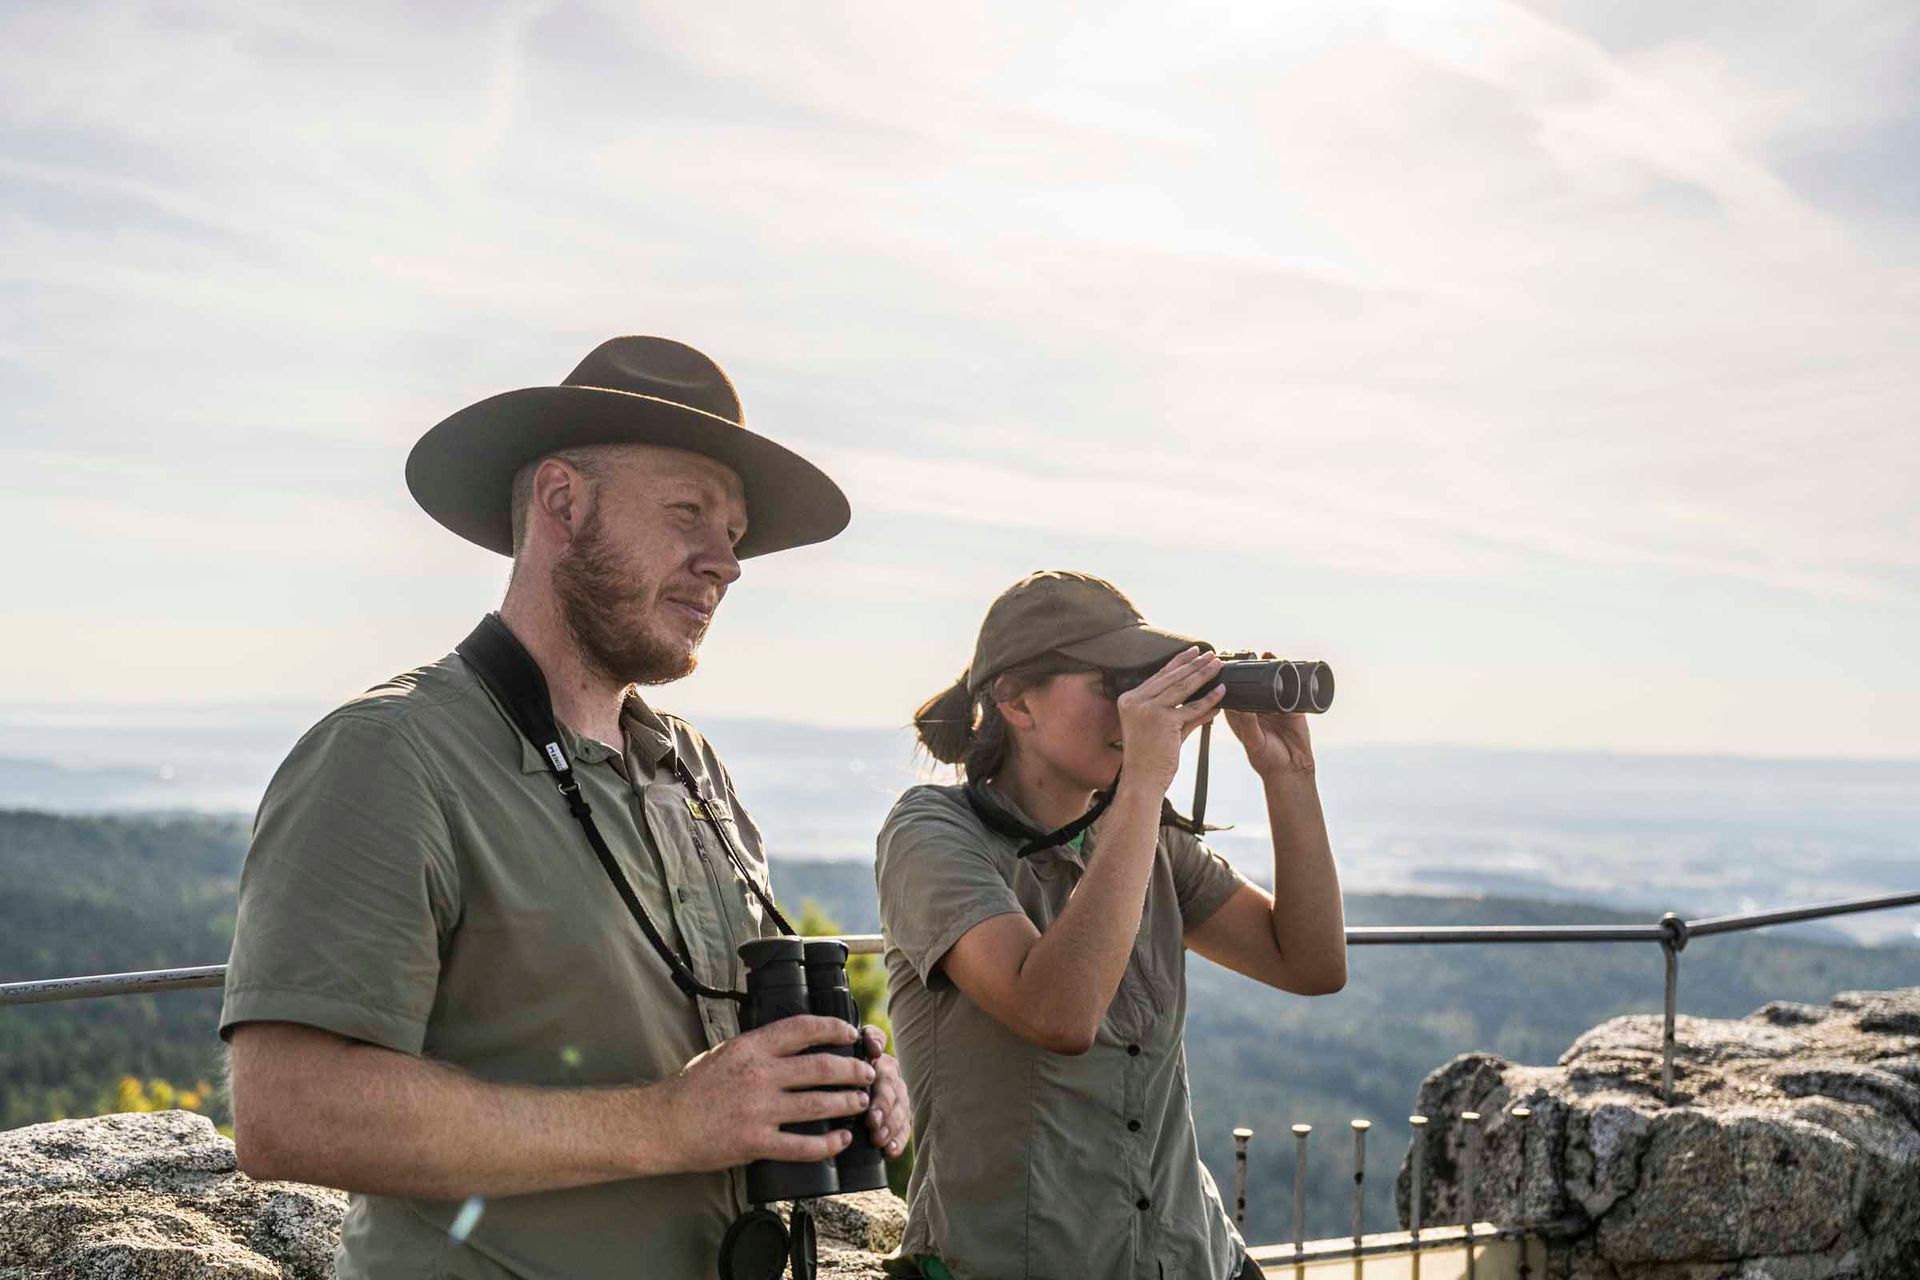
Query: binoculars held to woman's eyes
x,y
1253,683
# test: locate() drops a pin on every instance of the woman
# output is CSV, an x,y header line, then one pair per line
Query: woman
x,y
1038,1000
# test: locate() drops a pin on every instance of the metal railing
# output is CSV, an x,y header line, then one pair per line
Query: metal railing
x,y
1670,933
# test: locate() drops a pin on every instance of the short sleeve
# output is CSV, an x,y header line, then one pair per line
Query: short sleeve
x,y
1202,879
348,889
938,878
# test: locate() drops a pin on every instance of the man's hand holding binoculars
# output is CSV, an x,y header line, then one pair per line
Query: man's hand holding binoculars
x,y
729,1104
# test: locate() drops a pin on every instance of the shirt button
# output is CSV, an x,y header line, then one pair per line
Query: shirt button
x,y
1143,1204
1133,1126
1133,1051
682,892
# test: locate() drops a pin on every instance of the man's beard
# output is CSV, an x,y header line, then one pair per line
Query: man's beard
x,y
604,610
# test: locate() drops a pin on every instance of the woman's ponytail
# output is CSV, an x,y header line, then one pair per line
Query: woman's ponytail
x,y
944,723
957,728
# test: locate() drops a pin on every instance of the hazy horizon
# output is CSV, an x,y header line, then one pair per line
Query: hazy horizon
x,y
1696,834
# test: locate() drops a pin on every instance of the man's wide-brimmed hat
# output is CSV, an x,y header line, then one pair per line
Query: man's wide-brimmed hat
x,y
627,391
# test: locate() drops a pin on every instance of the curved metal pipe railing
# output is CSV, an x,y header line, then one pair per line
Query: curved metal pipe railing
x,y
1671,932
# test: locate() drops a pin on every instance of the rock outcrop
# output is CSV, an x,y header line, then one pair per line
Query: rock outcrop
x,y
1791,1150
153,1194
158,1196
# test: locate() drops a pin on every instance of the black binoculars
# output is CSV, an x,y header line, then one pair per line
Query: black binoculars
x,y
787,977
1253,683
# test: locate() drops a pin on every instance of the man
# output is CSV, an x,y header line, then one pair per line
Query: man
x,y
438,999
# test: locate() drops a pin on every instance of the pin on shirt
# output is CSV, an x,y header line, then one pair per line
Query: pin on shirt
x,y
707,810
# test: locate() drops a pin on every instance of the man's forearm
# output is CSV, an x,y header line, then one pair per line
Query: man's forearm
x,y
312,1107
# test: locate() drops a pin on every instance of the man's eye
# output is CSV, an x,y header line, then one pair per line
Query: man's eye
x,y
691,508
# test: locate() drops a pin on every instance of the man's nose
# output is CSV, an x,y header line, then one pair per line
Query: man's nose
x,y
716,561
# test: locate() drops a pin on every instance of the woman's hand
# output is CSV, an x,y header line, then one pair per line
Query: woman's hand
x,y
1277,742
1156,717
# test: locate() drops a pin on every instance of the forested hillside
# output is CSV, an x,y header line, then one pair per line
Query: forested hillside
x,y
91,895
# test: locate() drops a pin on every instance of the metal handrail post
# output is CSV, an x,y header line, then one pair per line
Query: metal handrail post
x,y
1470,1176
1417,1183
1300,1133
1360,1128
1240,1139
1673,941
1522,1114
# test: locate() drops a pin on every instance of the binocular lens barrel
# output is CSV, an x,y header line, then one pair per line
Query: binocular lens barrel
x,y
862,1166
776,989
1276,684
1253,684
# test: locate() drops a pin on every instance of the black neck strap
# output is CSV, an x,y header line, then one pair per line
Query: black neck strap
x,y
996,818
514,678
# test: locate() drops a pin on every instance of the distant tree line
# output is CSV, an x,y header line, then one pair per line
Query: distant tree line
x,y
93,895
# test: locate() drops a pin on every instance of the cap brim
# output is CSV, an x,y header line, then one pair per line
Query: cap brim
x,y
1130,647
462,471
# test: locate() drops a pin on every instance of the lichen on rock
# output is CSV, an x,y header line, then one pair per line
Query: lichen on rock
x,y
153,1194
1792,1150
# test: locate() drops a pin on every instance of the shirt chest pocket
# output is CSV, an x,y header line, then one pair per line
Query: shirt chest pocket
x,y
1149,989
1147,995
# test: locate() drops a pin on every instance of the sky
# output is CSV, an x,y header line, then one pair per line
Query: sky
x,y
1548,369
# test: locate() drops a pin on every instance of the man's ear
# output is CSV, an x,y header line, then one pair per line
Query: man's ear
x,y
561,498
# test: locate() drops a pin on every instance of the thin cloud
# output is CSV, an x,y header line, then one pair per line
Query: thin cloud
x,y
1481,295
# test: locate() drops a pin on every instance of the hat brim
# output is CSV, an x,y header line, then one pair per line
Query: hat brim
x,y
461,472
1128,648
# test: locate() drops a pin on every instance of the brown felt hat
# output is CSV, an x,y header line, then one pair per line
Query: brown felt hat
x,y
627,391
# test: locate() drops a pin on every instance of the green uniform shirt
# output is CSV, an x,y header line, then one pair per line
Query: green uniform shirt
x,y
1033,1164
416,881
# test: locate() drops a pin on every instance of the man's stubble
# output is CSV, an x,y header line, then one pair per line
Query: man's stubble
x,y
606,604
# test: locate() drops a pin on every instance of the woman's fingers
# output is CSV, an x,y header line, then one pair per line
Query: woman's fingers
x,y
1201,709
1151,687
1184,687
1172,684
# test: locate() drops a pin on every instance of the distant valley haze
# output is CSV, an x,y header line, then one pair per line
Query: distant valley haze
x,y
1700,835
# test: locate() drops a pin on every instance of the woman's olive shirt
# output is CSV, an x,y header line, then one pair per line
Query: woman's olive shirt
x,y
1028,1163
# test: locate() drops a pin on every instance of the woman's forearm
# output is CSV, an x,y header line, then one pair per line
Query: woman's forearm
x,y
1073,969
1309,925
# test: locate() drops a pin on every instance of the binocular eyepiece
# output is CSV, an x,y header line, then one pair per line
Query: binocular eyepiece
x,y
785,977
1253,683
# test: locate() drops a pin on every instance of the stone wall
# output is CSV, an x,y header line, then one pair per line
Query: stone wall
x,y
1792,1150
157,1196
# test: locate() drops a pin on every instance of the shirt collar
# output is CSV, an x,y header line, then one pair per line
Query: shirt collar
x,y
648,737
649,741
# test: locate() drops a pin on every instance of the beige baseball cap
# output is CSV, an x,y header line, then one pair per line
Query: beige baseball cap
x,y
1084,617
